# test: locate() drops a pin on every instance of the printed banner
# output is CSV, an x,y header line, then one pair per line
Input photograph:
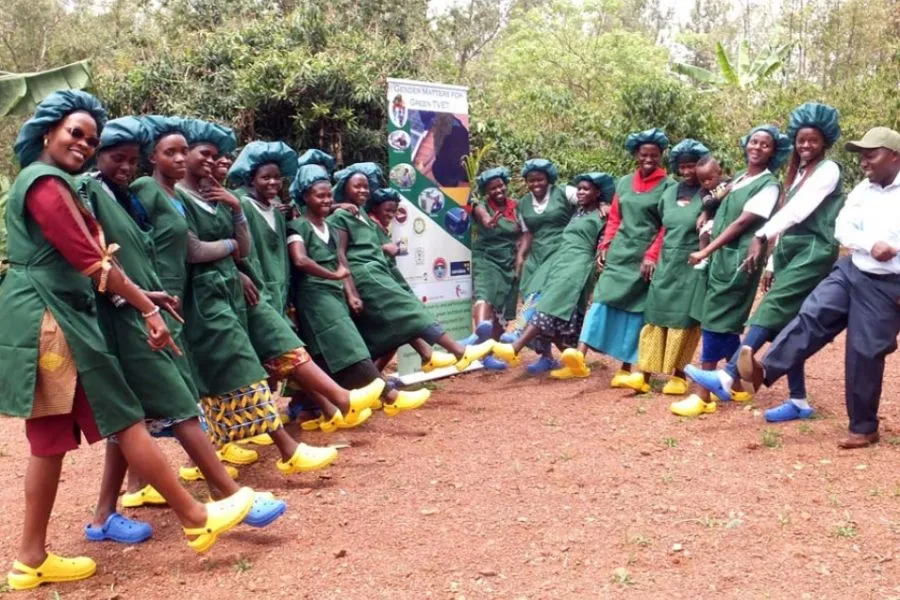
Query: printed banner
x,y
428,135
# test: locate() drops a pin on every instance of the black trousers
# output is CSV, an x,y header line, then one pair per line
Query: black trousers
x,y
868,307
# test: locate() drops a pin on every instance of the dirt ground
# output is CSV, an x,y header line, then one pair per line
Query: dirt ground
x,y
506,486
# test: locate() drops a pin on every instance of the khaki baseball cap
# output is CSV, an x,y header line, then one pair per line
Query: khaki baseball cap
x,y
877,137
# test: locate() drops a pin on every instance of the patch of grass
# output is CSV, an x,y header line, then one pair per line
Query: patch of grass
x,y
668,478
771,438
639,539
431,385
670,442
784,519
846,529
642,410
874,492
834,500
621,576
243,565
894,440
735,519
566,456
710,522
804,429
551,422
4,588
54,595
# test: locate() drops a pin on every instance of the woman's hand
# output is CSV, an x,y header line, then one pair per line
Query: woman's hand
x,y
697,257
391,249
350,208
285,209
648,267
755,256
355,303
702,220
768,279
168,303
341,272
604,209
160,337
217,193
251,293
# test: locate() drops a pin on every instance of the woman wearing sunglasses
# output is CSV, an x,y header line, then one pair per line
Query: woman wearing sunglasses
x,y
56,371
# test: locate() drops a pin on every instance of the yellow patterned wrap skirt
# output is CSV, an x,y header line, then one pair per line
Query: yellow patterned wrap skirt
x,y
240,414
664,349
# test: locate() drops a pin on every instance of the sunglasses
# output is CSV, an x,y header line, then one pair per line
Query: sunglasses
x,y
78,134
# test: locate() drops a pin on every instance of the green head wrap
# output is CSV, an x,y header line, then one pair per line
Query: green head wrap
x,y
654,136
782,145
127,130
604,182
544,166
159,127
205,132
53,109
819,116
686,151
486,176
371,170
317,157
383,195
307,176
256,154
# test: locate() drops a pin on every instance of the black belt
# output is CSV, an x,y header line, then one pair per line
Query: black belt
x,y
881,276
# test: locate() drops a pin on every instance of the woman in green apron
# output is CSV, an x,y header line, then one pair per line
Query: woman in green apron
x,y
57,371
387,315
805,251
494,240
543,214
730,290
166,153
670,337
161,380
322,311
628,255
566,280
381,207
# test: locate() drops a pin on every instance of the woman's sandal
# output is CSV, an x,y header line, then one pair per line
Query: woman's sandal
x,y
220,517
54,569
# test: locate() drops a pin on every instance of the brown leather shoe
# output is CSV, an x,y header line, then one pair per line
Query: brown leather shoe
x,y
750,369
858,440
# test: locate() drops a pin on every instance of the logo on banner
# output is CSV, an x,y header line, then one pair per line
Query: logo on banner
x,y
461,267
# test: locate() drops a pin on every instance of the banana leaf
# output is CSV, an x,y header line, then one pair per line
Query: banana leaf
x,y
21,92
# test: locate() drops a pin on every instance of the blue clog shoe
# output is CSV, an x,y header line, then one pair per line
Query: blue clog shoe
x,y
543,365
493,363
118,528
787,412
709,380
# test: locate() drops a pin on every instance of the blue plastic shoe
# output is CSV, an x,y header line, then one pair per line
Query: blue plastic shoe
x,y
481,334
788,412
510,337
393,383
493,363
543,365
118,528
266,509
709,380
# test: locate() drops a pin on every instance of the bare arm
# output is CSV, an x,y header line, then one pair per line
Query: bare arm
x,y
350,291
522,250
301,260
731,233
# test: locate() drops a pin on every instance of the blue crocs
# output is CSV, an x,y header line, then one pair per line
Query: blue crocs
x,y
787,412
709,380
481,334
510,337
543,365
119,529
492,363
266,508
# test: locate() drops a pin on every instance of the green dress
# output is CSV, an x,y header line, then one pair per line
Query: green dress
x,y
322,311
566,280
215,312
391,315
675,281
386,238
545,229
620,285
269,253
494,263
40,279
730,292
161,380
804,256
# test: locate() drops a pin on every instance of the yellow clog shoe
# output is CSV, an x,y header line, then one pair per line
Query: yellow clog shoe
x,y
676,386
312,424
234,454
262,439
506,353
473,353
194,473
635,381
54,569
407,401
692,406
357,419
143,497
573,360
307,458
220,517
331,425
366,397
438,360
567,373
619,379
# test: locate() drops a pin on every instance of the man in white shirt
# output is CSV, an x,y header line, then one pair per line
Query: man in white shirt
x,y
862,293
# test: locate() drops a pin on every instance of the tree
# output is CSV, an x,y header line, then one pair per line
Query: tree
x,y
21,92
743,73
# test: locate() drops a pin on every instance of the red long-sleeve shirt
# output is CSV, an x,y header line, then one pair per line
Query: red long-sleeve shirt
x,y
614,219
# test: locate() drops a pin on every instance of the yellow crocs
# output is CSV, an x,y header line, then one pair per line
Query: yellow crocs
x,y
262,439
573,360
407,401
234,454
146,495
473,353
438,360
567,373
735,397
676,386
366,397
331,425
692,406
307,458
312,424
635,381
506,353
618,380
220,517
54,569
194,473
356,420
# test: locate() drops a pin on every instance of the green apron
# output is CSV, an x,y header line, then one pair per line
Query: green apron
x,y
545,229
494,264
730,292
386,238
675,281
269,252
804,256
322,311
620,284
169,233
40,279
391,315
566,280
161,380
215,313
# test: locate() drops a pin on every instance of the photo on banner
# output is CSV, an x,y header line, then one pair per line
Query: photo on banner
x,y
428,136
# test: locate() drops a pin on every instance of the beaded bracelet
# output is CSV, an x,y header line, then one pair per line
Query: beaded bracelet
x,y
147,315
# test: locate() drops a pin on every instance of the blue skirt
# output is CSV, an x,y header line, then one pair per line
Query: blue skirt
x,y
613,331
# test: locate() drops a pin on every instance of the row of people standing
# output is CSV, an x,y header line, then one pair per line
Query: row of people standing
x,y
680,261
